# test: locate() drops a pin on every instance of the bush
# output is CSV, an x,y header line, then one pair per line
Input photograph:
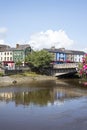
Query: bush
x,y
83,67
1,74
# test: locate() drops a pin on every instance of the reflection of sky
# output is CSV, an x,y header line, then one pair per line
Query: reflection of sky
x,y
56,103
2,104
61,107
34,117
59,95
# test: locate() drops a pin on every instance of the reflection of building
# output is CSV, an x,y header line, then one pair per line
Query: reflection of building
x,y
6,96
27,98
62,93
55,96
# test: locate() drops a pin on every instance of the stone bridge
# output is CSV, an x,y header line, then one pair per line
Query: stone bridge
x,y
65,69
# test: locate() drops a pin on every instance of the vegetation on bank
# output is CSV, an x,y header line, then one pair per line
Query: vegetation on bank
x,y
1,74
31,75
38,61
83,68
26,74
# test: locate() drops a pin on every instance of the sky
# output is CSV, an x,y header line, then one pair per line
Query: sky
x,y
44,23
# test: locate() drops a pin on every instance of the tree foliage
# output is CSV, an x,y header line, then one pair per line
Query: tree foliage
x,y
18,63
39,59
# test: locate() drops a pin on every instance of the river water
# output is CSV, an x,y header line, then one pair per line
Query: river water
x,y
44,105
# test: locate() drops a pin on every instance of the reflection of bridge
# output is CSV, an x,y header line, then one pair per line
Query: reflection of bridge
x,y
65,69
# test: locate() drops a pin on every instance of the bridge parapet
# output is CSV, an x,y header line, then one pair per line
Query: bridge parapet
x,y
65,65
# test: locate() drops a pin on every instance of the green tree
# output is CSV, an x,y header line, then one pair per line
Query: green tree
x,y
18,63
39,59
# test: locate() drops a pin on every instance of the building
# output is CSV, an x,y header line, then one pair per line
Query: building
x,y
9,56
6,57
20,52
4,47
62,55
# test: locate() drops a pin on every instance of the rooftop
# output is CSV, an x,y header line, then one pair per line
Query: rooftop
x,y
63,50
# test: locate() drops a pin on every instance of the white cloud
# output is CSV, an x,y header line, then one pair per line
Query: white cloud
x,y
2,42
85,50
50,38
3,32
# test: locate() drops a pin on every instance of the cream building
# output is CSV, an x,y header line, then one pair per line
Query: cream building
x,y
6,56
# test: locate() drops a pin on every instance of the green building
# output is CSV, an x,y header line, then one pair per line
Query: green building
x,y
20,52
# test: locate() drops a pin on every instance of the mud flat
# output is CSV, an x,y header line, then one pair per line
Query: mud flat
x,y
19,80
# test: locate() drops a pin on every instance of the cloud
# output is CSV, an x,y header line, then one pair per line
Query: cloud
x,y
3,32
2,42
50,38
85,50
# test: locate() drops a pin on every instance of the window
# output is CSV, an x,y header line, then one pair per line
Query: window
x,y
1,58
5,53
15,53
7,58
10,58
4,58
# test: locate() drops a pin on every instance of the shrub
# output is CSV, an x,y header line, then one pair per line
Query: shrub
x,y
83,67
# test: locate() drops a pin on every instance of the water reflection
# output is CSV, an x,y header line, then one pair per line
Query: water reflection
x,y
41,96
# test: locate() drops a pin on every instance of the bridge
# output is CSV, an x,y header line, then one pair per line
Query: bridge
x,y
65,69
58,70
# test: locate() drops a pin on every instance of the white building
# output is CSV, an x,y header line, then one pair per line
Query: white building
x,y
6,56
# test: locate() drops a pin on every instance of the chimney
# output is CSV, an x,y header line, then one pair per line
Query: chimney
x,y
53,48
63,49
17,45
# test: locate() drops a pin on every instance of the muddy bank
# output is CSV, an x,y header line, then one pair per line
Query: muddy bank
x,y
19,80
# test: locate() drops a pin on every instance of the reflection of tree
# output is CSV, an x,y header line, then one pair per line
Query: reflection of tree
x,y
40,97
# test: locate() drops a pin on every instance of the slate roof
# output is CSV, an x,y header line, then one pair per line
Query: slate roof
x,y
22,47
73,52
4,47
8,48
78,52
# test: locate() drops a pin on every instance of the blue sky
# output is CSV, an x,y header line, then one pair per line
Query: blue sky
x,y
41,22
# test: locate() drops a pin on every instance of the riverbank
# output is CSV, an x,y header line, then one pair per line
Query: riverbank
x,y
22,79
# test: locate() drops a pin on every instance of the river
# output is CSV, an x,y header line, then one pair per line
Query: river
x,y
44,105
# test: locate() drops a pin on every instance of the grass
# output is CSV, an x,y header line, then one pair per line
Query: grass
x,y
1,74
30,74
